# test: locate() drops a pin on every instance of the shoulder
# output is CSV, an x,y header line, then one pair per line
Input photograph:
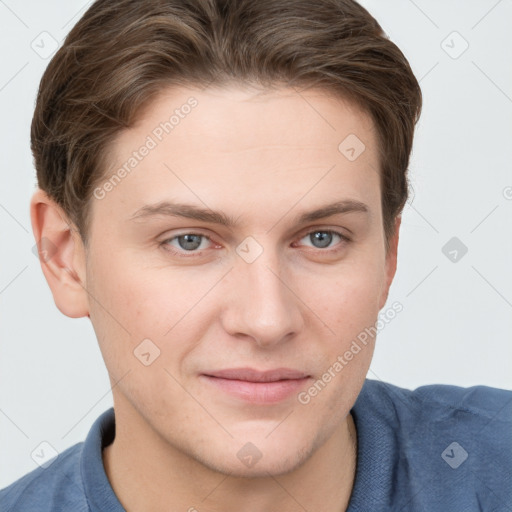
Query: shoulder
x,y
471,405
57,486
444,412
437,445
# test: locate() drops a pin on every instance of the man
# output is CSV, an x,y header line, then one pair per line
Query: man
x,y
221,184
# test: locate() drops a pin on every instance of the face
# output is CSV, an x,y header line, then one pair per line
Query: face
x,y
180,297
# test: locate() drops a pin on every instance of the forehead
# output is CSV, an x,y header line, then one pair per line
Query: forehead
x,y
243,116
239,145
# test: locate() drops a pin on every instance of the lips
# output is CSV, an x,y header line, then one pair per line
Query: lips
x,y
257,387
251,375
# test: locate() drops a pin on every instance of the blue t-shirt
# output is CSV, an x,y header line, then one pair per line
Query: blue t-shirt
x,y
439,448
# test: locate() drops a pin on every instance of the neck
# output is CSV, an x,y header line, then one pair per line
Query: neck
x,y
151,475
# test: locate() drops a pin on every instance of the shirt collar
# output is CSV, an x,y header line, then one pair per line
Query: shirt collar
x,y
98,491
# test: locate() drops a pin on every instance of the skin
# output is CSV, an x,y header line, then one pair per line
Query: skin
x,y
263,158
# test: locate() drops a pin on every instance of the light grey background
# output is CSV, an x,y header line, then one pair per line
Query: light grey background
x,y
456,322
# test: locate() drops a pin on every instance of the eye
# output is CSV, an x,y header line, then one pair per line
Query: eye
x,y
322,238
193,244
186,242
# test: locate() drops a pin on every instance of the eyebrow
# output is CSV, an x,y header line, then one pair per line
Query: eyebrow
x,y
189,211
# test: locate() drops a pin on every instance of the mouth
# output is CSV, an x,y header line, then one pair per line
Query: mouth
x,y
264,387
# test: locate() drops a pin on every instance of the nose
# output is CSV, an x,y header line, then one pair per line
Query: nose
x,y
262,304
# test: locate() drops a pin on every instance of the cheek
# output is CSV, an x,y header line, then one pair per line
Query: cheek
x,y
126,308
135,298
134,303
346,299
349,305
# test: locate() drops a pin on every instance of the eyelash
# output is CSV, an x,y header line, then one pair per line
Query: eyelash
x,y
187,254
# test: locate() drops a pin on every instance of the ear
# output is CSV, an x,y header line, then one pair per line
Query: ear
x,y
61,254
391,261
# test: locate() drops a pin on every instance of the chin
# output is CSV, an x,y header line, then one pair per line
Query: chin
x,y
250,461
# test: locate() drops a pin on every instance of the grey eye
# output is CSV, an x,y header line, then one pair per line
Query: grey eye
x,y
321,239
189,242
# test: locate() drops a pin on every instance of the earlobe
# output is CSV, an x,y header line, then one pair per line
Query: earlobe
x,y
61,255
391,262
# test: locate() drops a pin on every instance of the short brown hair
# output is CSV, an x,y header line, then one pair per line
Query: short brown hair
x,y
122,53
